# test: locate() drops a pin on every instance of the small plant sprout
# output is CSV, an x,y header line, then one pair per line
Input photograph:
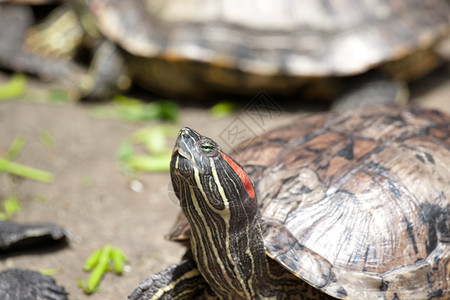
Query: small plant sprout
x,y
11,207
102,260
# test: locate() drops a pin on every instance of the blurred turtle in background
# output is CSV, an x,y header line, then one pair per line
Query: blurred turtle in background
x,y
64,47
197,49
241,47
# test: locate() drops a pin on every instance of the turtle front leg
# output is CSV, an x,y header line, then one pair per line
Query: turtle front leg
x,y
179,281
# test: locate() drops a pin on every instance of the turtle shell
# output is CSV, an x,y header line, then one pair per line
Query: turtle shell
x,y
181,45
356,203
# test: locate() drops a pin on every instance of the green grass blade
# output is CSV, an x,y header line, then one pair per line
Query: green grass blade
x,y
25,171
16,148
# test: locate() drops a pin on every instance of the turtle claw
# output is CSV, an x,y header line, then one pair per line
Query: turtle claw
x,y
17,284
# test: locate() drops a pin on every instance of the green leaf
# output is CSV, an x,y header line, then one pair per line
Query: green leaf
x,y
49,272
153,163
46,138
87,182
24,171
155,138
92,260
58,96
16,148
125,150
11,206
223,109
167,110
94,279
98,268
39,198
118,258
99,263
135,110
14,88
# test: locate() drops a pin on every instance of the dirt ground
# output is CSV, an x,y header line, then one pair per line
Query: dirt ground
x,y
92,198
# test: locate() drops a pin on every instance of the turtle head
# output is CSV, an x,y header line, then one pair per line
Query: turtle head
x,y
199,165
218,200
192,151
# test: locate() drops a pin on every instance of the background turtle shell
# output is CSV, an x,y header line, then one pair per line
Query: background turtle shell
x,y
357,202
250,45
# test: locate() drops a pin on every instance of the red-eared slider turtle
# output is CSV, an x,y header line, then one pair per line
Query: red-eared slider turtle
x,y
182,48
354,203
193,48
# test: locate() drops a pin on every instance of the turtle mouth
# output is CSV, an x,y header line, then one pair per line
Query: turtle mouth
x,y
178,155
177,152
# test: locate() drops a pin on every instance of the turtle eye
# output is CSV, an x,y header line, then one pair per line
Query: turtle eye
x,y
207,147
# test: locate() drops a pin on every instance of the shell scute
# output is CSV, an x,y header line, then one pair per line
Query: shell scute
x,y
304,263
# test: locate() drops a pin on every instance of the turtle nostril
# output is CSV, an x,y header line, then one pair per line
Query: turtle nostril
x,y
184,131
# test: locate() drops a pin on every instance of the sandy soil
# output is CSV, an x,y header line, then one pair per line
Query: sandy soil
x,y
91,197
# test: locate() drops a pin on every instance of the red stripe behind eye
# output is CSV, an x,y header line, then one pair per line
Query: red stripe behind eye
x,y
242,175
